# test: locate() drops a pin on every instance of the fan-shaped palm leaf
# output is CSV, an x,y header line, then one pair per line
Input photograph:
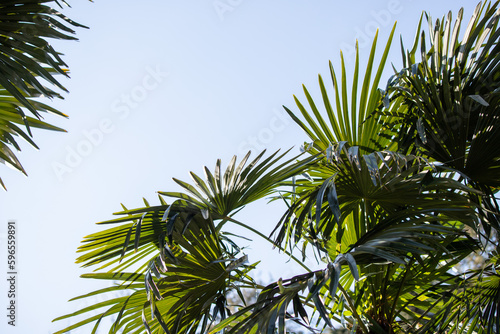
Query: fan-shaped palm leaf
x,y
347,118
183,285
452,98
221,194
384,210
380,184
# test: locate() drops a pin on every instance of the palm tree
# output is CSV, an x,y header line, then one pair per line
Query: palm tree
x,y
388,200
28,60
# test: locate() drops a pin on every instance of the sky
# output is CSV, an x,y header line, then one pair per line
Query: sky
x,y
161,88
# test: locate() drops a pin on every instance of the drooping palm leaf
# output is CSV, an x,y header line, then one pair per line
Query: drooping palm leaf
x,y
270,308
25,52
381,184
270,312
12,127
28,70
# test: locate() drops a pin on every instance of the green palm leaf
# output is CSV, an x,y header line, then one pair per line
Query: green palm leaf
x,y
25,53
222,194
12,127
348,117
380,184
182,286
28,60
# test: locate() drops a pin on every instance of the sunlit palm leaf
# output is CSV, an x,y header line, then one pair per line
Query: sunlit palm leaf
x,y
348,117
240,187
222,194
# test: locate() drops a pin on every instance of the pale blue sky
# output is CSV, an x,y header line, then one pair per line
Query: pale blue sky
x,y
161,88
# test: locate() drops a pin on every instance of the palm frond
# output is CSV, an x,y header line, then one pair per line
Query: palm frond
x,y
28,60
12,127
363,190
25,53
348,118
183,285
221,194
451,100
473,305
